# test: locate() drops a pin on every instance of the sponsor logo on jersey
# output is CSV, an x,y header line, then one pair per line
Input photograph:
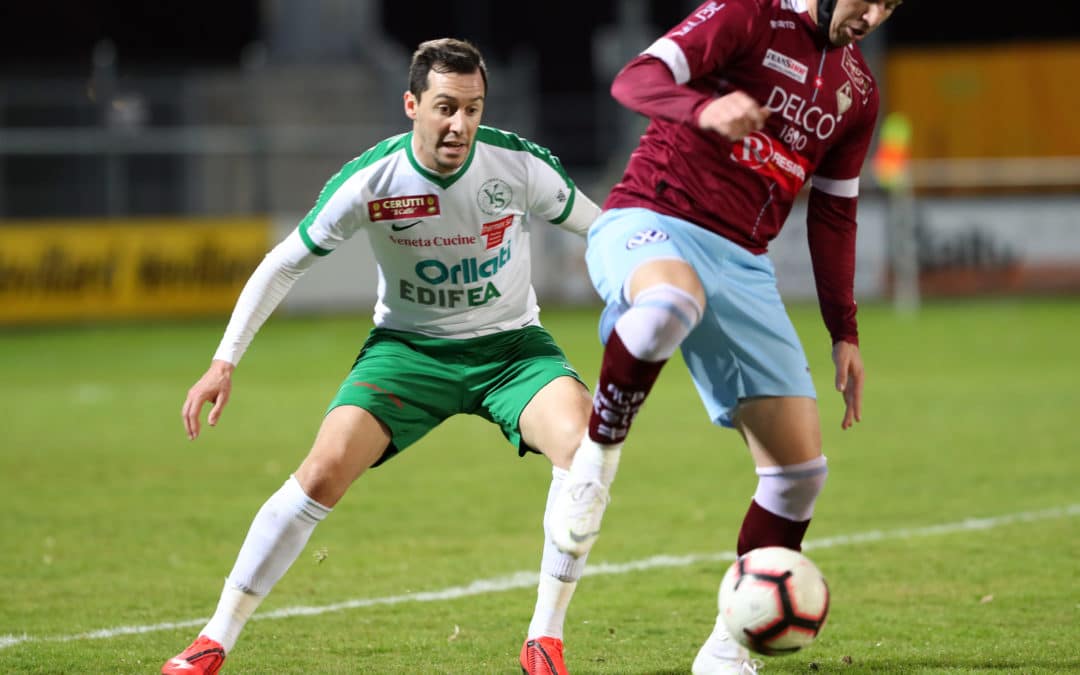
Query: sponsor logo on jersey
x,y
473,296
843,98
494,231
786,65
397,208
494,196
802,113
761,155
858,78
398,228
436,242
465,271
645,237
699,17
435,273
778,24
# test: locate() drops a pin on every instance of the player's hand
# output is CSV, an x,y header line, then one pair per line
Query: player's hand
x,y
214,386
734,116
849,380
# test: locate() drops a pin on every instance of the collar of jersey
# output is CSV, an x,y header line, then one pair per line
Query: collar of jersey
x,y
442,181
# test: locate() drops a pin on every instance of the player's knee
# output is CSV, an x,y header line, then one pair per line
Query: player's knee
x,y
659,320
791,491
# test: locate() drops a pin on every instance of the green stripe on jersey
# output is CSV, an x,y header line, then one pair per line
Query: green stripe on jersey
x,y
511,141
372,155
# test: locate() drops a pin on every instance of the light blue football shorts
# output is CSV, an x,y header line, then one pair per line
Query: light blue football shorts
x,y
745,345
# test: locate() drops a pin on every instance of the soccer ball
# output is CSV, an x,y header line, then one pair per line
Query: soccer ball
x,y
773,600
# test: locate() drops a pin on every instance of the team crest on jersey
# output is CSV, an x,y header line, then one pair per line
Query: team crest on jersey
x,y
411,206
843,98
494,196
786,65
858,78
646,237
494,231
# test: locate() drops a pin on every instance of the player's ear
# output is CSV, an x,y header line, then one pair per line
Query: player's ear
x,y
411,105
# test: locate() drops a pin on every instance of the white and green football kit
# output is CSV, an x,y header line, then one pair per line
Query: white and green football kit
x,y
454,278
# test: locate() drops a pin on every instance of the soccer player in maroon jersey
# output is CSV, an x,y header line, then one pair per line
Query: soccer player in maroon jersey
x,y
748,101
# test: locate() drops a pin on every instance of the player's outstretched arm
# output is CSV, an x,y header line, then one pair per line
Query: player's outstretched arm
x,y
214,386
849,380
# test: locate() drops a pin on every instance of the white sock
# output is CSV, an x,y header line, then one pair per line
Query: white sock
x,y
277,535
233,611
658,322
559,574
791,491
596,461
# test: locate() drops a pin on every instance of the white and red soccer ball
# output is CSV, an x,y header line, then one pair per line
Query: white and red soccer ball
x,y
774,600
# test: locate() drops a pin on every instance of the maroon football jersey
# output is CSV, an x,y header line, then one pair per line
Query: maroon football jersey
x,y
823,103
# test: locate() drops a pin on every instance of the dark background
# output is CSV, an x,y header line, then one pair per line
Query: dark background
x,y
42,35
43,39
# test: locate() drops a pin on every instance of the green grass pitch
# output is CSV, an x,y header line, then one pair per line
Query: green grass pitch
x,y
949,529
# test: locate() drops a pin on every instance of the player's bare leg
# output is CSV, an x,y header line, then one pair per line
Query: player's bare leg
x,y
784,438
667,302
553,422
349,441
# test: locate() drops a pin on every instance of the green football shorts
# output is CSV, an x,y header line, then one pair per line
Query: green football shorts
x,y
412,382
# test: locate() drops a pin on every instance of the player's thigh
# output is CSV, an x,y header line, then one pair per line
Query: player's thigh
x,y
745,346
780,430
349,441
631,249
409,383
554,420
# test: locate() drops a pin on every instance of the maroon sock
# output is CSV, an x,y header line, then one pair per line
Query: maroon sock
x,y
763,528
624,382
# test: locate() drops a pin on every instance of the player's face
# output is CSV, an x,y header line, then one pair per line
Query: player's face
x,y
445,118
853,20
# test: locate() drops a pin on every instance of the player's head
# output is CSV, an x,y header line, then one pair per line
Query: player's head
x,y
846,21
445,100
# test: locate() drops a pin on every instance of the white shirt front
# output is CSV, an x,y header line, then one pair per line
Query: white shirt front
x,y
452,251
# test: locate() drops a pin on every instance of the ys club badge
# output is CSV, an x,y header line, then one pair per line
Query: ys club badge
x,y
494,196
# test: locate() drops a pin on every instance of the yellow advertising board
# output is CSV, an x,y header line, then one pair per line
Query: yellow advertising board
x,y
1012,100
103,269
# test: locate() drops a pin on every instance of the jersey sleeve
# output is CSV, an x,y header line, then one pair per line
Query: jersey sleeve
x,y
337,213
831,226
552,194
647,86
707,39
263,292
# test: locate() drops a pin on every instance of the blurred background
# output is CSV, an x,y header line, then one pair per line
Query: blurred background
x,y
150,153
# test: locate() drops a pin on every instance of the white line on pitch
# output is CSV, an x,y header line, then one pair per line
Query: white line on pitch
x,y
528,579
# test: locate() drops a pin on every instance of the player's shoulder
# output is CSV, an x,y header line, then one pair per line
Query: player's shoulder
x,y
354,173
726,10
507,140
499,141
381,151
751,18
858,71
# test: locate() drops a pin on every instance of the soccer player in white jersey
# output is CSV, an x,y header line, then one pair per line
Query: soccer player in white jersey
x,y
748,100
445,208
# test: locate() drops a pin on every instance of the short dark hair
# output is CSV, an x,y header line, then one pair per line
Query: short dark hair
x,y
445,55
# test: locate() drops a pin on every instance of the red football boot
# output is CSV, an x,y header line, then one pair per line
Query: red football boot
x,y
203,657
543,656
